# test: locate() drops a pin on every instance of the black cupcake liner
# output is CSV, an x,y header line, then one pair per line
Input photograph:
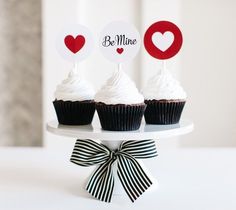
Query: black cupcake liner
x,y
163,111
74,112
120,117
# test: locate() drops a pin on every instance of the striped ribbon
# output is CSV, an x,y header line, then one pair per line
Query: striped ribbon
x,y
133,178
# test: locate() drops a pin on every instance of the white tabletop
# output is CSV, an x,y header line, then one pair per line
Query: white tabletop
x,y
40,179
145,131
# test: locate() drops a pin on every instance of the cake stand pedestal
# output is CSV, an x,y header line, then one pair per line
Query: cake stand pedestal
x,y
113,139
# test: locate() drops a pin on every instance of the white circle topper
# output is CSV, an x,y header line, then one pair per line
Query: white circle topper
x,y
75,43
119,42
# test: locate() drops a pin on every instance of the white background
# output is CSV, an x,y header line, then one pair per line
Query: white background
x,y
205,65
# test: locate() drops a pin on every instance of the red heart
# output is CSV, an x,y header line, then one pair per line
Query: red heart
x,y
74,44
120,50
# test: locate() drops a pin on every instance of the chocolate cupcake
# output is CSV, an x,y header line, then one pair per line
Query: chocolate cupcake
x,y
119,104
74,100
165,99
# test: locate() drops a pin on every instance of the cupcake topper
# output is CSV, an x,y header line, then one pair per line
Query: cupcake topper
x,y
75,43
163,69
119,42
163,40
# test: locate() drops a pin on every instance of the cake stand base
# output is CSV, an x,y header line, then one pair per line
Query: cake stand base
x,y
113,139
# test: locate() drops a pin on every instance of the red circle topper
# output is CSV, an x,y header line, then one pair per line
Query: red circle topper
x,y
163,40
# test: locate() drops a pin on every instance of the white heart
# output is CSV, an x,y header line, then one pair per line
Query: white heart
x,y
163,41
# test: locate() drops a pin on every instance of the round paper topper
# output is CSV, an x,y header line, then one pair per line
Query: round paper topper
x,y
163,40
75,43
119,42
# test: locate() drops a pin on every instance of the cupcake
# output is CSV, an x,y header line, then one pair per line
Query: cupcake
x,y
165,99
119,104
74,100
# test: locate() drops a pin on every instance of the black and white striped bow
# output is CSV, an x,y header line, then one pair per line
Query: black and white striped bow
x,y
132,177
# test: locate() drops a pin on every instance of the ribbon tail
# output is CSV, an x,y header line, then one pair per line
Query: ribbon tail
x,y
132,177
101,183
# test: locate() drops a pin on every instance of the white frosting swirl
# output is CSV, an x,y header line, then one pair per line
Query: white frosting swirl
x,y
163,86
119,89
74,88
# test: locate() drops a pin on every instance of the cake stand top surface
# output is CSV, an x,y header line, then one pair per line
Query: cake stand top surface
x,y
95,132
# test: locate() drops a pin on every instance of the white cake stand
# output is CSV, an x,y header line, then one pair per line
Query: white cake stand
x,y
95,132
113,139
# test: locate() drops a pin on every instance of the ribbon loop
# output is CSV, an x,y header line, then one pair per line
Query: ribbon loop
x,y
133,178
